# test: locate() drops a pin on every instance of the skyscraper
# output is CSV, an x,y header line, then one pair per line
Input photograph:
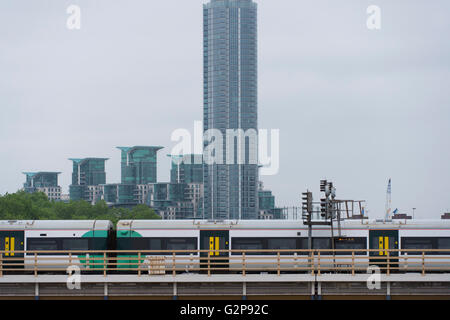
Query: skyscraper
x,y
230,102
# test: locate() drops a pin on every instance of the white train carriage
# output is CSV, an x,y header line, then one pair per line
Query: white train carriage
x,y
260,235
44,238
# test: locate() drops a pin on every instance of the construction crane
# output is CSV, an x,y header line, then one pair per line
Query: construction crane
x,y
388,200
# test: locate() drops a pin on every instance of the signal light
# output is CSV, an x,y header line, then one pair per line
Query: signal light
x,y
307,201
323,207
323,184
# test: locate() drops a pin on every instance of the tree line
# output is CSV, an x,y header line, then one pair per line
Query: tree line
x,y
37,206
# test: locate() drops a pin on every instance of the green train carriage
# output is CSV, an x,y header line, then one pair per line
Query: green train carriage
x,y
53,239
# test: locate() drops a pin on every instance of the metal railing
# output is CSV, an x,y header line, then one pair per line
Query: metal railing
x,y
163,262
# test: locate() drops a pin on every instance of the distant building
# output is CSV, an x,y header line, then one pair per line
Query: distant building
x,y
46,182
398,216
172,200
187,169
266,205
139,165
87,177
138,171
118,194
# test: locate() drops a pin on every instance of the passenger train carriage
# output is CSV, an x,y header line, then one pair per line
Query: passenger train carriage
x,y
365,234
47,237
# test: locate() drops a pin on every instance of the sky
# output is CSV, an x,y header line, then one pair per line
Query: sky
x,y
353,105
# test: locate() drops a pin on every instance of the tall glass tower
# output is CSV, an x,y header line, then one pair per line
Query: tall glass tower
x,y
230,102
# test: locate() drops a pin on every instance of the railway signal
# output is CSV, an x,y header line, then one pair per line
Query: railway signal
x,y
323,184
307,204
324,207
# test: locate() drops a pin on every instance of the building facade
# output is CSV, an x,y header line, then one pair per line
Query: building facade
x,y
87,177
230,103
46,182
139,165
138,171
169,200
187,169
266,205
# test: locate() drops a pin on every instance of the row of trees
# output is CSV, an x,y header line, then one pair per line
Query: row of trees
x,y
36,206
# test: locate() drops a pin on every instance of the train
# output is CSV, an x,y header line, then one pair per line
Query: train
x,y
52,238
217,237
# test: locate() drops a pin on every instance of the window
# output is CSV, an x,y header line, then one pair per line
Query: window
x,y
247,244
417,243
181,244
42,244
59,244
321,243
282,243
75,244
443,243
155,244
266,244
350,243
138,244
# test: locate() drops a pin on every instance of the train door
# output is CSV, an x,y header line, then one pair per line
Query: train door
x,y
10,243
380,241
213,241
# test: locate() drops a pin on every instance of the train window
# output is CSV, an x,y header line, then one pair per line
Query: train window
x,y
181,244
321,243
417,243
303,244
350,243
139,244
155,244
443,243
282,243
247,244
42,244
75,244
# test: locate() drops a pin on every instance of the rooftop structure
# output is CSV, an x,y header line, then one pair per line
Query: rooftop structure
x,y
139,164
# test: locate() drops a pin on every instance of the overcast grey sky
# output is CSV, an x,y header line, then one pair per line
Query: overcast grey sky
x,y
353,105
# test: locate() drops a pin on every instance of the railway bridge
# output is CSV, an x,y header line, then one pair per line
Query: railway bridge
x,y
182,274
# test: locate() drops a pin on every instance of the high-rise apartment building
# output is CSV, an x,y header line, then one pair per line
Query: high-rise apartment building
x,y
46,182
230,103
138,164
187,169
266,204
87,177
138,171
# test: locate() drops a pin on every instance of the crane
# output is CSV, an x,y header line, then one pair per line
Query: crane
x,y
388,200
